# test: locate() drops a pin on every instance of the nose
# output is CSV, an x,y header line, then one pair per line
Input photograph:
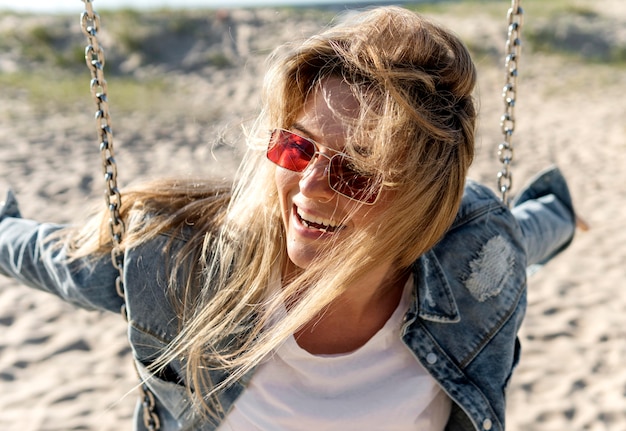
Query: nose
x,y
314,180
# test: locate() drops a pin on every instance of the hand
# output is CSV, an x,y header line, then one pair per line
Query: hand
x,y
9,207
582,224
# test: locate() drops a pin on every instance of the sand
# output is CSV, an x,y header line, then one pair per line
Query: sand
x,y
62,368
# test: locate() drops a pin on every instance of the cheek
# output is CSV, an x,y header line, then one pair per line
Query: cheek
x,y
281,179
286,186
375,217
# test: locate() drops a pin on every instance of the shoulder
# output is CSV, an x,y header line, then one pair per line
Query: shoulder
x,y
478,201
483,248
480,263
485,227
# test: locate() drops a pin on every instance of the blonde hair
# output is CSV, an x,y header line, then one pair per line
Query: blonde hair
x,y
414,82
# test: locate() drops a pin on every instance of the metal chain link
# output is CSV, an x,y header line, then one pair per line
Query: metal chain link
x,y
94,57
509,95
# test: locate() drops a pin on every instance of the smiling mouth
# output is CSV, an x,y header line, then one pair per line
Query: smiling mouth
x,y
316,223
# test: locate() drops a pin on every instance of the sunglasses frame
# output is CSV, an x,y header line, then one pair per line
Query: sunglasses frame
x,y
327,170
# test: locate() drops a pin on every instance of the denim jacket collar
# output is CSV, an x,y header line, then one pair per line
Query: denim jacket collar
x,y
434,300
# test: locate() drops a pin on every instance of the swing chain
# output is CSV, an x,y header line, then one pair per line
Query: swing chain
x,y
515,17
94,57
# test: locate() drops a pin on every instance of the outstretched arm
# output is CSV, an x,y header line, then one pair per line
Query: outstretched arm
x,y
34,254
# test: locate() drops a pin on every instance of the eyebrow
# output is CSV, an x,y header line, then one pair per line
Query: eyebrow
x,y
361,150
310,136
301,128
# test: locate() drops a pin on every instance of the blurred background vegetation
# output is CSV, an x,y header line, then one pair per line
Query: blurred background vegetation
x,y
42,57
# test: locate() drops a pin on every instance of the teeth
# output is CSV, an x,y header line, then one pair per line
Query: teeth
x,y
308,220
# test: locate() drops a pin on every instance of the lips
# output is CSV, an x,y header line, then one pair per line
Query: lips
x,y
321,224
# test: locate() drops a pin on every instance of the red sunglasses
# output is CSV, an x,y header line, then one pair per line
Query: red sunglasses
x,y
294,152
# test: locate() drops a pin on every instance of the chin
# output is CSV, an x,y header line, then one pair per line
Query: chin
x,y
299,258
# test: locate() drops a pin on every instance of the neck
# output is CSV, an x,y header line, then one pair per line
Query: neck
x,y
372,291
357,314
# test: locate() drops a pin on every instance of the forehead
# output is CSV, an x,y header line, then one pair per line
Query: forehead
x,y
329,111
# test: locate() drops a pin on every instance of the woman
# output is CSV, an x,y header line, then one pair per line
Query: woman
x,y
351,278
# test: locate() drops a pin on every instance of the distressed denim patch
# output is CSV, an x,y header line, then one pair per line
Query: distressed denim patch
x,y
490,269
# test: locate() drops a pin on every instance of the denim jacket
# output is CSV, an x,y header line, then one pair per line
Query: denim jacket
x,y
468,302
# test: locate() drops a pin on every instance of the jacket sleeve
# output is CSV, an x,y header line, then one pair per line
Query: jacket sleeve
x,y
31,254
546,216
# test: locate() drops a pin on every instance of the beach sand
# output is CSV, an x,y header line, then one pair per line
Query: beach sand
x,y
63,368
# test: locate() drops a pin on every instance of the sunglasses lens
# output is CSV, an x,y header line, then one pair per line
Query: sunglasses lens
x,y
345,180
290,151
294,152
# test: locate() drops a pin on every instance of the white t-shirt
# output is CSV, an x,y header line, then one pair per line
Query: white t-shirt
x,y
380,386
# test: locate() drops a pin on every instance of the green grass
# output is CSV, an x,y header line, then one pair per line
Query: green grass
x,y
130,95
56,91
41,89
